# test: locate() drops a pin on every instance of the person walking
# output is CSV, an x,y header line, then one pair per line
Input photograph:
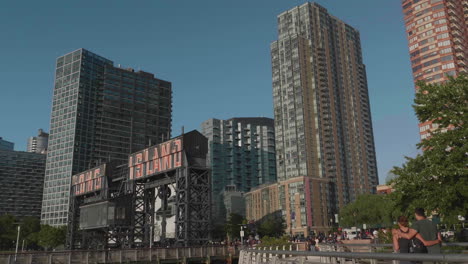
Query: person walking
x,y
402,244
311,243
425,243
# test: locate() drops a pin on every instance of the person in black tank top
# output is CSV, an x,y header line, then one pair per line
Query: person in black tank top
x,y
400,244
403,243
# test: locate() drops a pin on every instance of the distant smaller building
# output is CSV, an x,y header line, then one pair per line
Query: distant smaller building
x,y
262,201
39,143
384,189
21,183
234,201
291,197
6,145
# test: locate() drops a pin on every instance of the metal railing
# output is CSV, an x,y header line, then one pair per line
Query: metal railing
x,y
342,253
180,254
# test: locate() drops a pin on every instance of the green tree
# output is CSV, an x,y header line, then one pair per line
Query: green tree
x,y
437,179
272,225
273,241
371,209
8,231
218,231
30,226
51,237
233,225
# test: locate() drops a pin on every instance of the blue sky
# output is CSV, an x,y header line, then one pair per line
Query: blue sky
x,y
215,53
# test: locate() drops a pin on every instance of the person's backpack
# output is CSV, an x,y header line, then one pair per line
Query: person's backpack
x,y
417,246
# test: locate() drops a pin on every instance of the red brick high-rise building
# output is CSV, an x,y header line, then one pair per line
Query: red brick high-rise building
x,y
323,127
437,32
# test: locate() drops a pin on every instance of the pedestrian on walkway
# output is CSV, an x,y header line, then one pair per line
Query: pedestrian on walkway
x,y
428,233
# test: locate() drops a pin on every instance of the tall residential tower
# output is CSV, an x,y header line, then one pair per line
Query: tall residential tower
x,y
323,124
99,113
437,32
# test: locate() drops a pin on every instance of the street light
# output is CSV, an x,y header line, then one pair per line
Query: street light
x,y
17,241
242,234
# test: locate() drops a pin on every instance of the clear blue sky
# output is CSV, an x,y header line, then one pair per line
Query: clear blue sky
x,y
215,53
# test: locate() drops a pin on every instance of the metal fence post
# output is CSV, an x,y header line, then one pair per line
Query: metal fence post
x,y
274,260
258,258
372,261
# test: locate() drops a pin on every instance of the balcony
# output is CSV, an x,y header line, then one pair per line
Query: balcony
x,y
460,55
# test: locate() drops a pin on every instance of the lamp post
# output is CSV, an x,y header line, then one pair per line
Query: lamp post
x,y
242,234
17,241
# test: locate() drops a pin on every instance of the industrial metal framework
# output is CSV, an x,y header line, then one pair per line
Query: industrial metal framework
x,y
129,204
193,206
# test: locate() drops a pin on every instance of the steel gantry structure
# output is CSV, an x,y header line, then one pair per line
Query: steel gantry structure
x,y
166,186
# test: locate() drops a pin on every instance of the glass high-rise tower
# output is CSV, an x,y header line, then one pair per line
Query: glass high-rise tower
x,y
241,156
6,145
99,113
323,124
21,182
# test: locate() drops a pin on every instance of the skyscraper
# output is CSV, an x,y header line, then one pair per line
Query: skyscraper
x,y
21,182
241,156
322,114
6,145
437,32
39,143
99,113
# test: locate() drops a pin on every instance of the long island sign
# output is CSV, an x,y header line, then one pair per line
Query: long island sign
x,y
156,159
89,181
